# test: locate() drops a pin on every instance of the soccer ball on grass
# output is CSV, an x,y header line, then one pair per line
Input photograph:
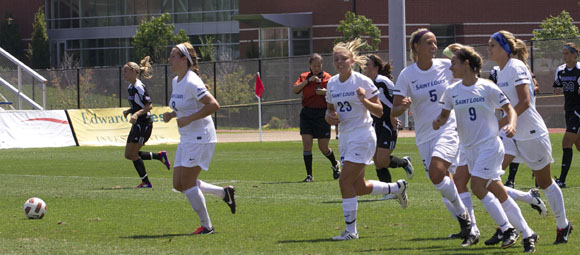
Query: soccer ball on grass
x,y
34,208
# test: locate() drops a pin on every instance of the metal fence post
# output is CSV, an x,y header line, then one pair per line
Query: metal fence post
x,y
120,87
532,55
78,88
215,90
166,88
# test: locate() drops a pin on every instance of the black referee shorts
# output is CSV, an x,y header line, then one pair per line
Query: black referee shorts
x,y
312,122
140,133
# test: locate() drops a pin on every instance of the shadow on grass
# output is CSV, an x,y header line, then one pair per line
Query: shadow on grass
x,y
360,201
295,182
116,188
440,249
319,240
155,236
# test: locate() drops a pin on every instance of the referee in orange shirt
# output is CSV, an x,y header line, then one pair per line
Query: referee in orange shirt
x,y
312,84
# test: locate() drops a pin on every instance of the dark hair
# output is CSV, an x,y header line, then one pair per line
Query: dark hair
x,y
384,68
313,57
468,53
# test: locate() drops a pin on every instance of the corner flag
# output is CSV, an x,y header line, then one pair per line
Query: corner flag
x,y
259,86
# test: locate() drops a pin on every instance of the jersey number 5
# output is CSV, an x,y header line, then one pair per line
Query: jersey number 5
x,y
433,95
344,106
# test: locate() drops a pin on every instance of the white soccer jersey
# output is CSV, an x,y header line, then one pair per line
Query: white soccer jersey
x,y
353,115
530,123
474,110
185,101
425,89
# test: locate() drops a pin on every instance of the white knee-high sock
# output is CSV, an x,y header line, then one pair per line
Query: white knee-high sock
x,y
450,208
493,207
468,202
381,188
449,191
556,201
515,217
197,202
211,189
349,208
520,195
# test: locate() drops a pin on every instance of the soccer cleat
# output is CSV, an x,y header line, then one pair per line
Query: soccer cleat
x,y
409,167
402,193
538,205
309,178
388,197
510,236
464,224
495,239
560,183
562,234
530,243
144,186
230,198
345,235
470,240
203,231
165,159
509,183
336,171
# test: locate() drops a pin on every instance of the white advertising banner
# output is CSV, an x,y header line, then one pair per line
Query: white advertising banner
x,y
108,127
35,129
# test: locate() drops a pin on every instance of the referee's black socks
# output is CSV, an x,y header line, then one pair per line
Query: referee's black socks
x,y
308,161
330,156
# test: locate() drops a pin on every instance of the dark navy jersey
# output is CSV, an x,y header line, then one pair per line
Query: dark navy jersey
x,y
385,86
568,80
138,98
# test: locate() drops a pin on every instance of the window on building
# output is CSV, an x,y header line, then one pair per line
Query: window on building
x,y
445,34
274,42
301,41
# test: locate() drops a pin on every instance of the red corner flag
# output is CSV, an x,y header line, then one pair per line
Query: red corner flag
x,y
259,86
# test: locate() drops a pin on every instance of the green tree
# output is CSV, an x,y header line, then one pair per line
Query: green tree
x,y
154,36
181,37
358,26
207,50
554,33
38,49
10,39
558,27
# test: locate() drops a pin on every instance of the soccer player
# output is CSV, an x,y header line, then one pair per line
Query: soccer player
x,y
532,141
515,162
312,85
193,105
141,128
567,79
419,87
474,101
352,98
386,128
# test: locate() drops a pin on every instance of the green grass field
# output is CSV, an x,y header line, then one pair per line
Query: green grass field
x,y
94,209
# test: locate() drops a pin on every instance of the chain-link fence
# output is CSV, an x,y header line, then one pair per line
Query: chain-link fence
x,y
232,83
